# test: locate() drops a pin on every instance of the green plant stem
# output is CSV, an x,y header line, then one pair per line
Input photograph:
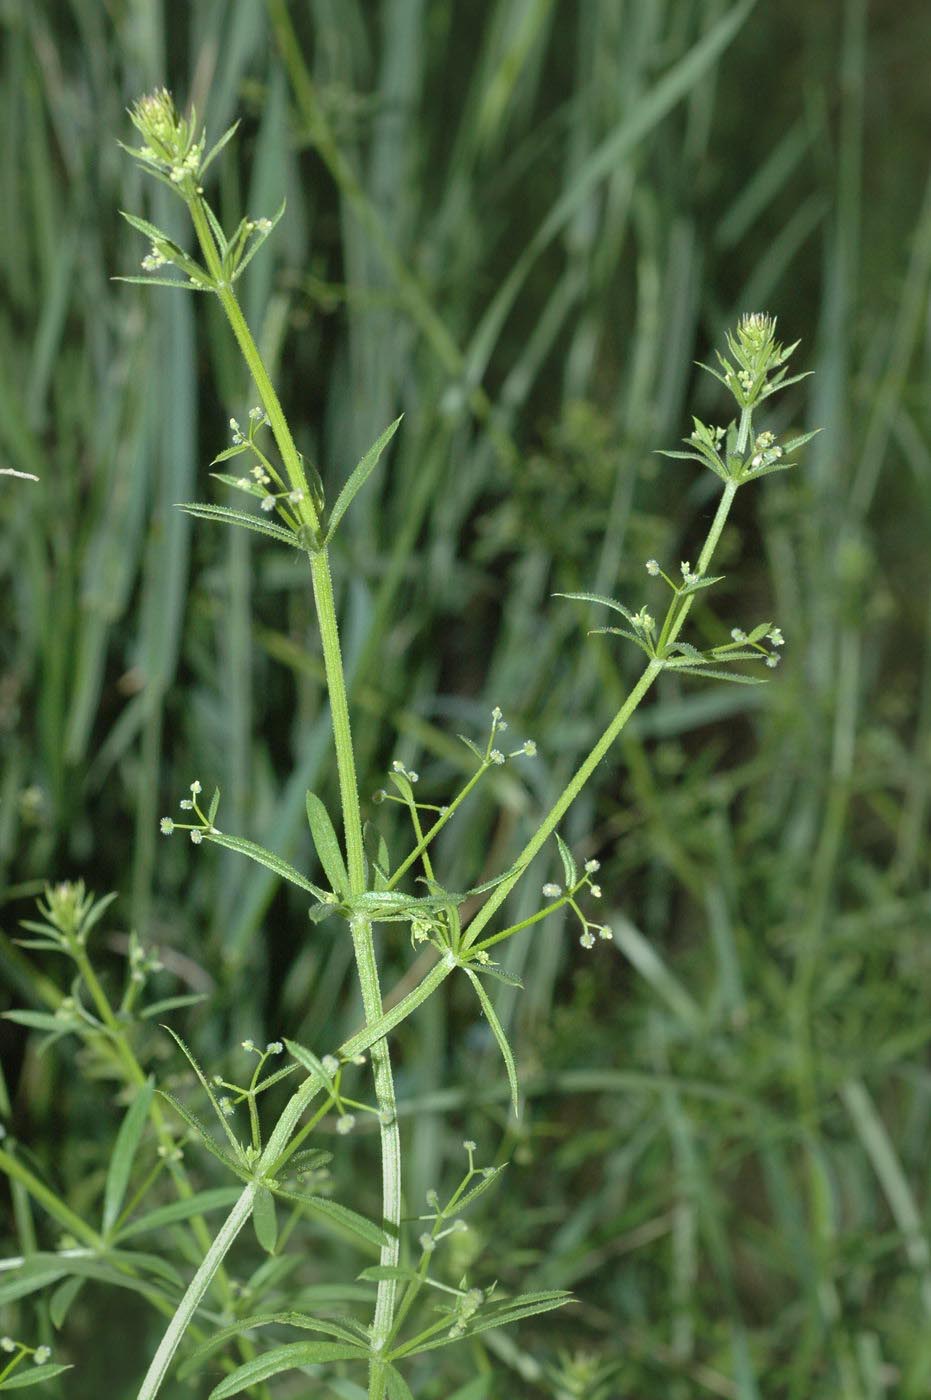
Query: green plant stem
x,y
367,965
582,774
437,827
562,804
363,942
195,1293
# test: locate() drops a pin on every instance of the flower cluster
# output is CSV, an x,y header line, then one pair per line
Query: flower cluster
x,y
171,145
204,825
591,929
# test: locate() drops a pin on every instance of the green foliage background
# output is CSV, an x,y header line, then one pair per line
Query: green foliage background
x,y
519,223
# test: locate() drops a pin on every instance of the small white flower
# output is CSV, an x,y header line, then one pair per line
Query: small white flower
x,y
274,1047
295,497
643,621
591,866
166,826
738,634
345,1123
552,891
497,715
330,1064
413,776
186,804
529,748
595,891
256,413
588,939
41,1355
268,504
652,567
226,1106
772,660
196,787
7,1344
496,756
358,1060
427,1243
197,836
776,637
469,1145
687,576
606,932
248,1045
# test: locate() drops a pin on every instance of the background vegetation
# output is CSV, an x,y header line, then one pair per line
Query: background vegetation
x,y
520,223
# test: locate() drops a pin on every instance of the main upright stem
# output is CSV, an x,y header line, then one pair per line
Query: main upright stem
x,y
362,938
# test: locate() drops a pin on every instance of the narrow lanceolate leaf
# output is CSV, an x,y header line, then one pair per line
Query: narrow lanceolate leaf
x,y
265,1220
201,1203
242,1326
221,1116
34,1376
527,1305
346,1220
712,673
326,844
489,1177
570,870
268,859
164,282
124,1154
498,1033
622,632
198,1129
143,226
158,1008
597,598
380,1272
202,511
397,1386
257,241
359,477
290,1357
312,1064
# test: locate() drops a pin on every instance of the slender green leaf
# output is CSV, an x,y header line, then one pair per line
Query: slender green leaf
x,y
124,1154
265,1220
597,598
244,1325
326,843
289,1357
199,1130
570,869
35,1375
208,1090
203,511
359,477
268,859
338,1215
312,1064
500,1037
397,1386
201,1203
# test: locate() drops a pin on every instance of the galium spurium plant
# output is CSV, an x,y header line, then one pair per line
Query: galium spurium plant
x,y
273,1166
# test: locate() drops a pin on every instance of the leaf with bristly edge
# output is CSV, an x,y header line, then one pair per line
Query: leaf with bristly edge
x,y
289,1357
124,1154
498,1032
203,511
326,844
359,477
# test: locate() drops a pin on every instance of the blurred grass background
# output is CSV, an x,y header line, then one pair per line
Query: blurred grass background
x,y
519,223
